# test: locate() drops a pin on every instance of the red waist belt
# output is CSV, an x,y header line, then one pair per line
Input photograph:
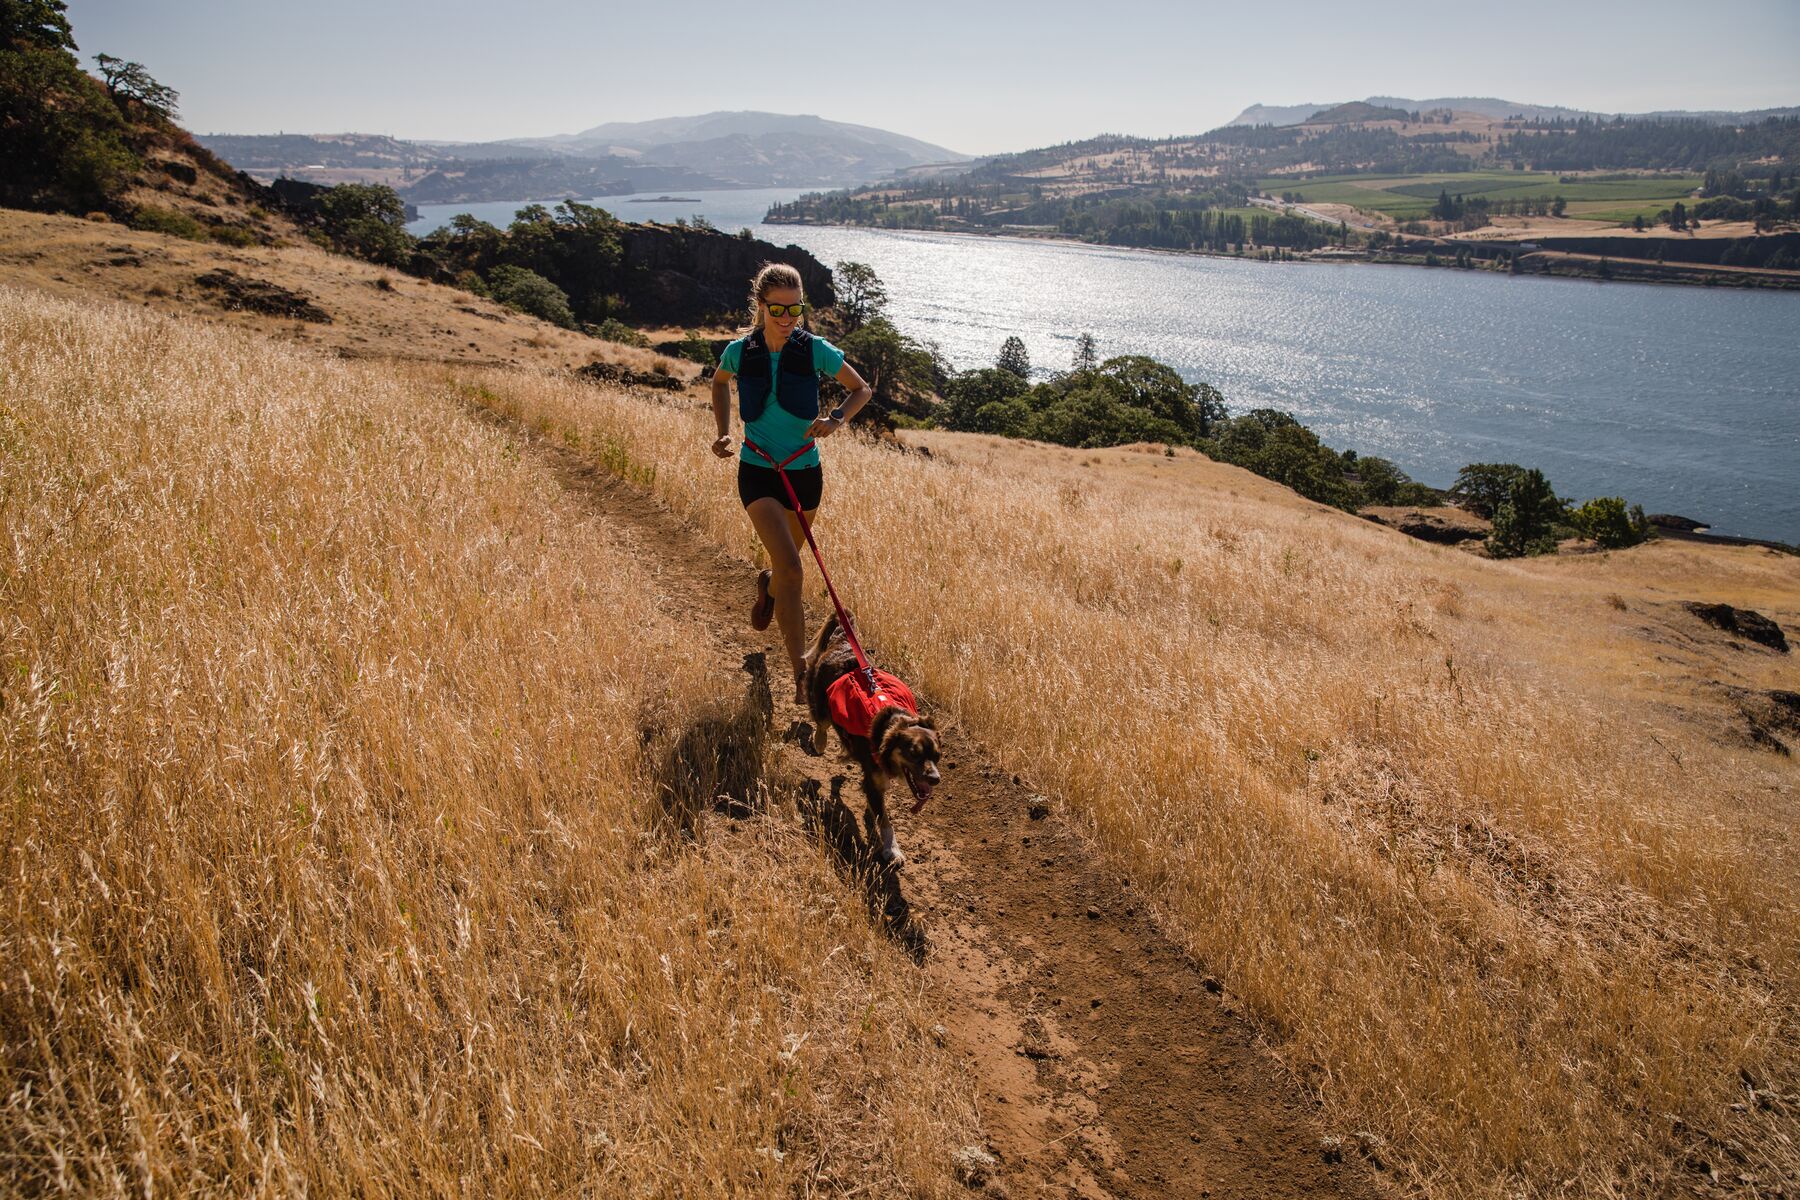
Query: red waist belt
x,y
853,708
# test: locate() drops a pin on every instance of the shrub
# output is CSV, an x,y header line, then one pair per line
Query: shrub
x,y
151,219
614,330
695,348
232,235
1609,522
474,284
531,293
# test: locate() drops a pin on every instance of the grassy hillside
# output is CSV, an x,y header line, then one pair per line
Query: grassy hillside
x,y
332,860
1485,846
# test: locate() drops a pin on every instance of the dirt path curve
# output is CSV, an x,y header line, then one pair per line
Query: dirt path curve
x,y
1108,1064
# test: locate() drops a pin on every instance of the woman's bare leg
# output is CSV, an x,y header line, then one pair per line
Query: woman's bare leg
x,y
777,526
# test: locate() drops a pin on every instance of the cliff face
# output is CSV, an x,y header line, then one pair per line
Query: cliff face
x,y
685,276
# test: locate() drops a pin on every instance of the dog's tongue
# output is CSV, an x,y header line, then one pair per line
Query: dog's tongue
x,y
920,794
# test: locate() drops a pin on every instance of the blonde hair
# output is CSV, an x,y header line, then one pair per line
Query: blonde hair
x,y
772,275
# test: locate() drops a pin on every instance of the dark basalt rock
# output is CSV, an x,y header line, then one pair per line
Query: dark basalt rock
x,y
1671,521
1428,527
240,292
604,372
1741,622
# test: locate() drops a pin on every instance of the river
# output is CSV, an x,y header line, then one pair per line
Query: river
x,y
1681,399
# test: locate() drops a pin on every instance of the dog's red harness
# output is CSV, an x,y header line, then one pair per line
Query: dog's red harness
x,y
873,690
854,708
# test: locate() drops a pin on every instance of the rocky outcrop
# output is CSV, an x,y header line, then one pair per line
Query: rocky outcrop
x,y
234,291
687,276
1741,622
1444,526
613,373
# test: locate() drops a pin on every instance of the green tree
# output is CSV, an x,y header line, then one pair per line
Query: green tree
x,y
968,394
63,144
1523,520
862,296
1558,206
38,24
1276,446
1087,353
529,292
1144,383
901,367
367,220
1013,357
1609,522
1091,415
1482,487
128,81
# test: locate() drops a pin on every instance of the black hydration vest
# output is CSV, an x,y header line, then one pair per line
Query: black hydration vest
x,y
798,389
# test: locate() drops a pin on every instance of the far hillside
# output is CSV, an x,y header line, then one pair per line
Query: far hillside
x,y
711,151
1351,179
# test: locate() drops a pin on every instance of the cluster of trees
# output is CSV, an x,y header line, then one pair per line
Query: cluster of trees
x,y
1129,398
1161,219
1678,145
68,141
1132,398
1530,518
561,264
1475,211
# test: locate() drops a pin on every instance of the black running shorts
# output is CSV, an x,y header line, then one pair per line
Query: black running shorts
x,y
755,482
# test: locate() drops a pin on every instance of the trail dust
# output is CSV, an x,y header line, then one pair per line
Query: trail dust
x,y
1108,1064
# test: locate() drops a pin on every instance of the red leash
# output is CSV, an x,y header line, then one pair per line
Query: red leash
x,y
862,660
864,669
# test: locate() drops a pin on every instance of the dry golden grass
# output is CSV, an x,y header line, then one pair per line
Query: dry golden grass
x,y
409,318
1400,797
328,863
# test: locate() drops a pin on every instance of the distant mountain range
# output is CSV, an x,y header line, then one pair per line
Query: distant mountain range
x,y
713,150
1492,108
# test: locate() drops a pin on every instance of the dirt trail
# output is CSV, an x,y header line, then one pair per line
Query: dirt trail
x,y
1109,1065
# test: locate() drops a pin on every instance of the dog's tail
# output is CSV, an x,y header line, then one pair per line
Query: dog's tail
x,y
824,639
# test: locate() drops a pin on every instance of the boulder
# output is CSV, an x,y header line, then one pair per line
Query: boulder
x,y
1741,622
240,292
605,372
1671,521
1444,526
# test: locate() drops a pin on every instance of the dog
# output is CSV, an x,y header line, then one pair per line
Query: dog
x,y
897,741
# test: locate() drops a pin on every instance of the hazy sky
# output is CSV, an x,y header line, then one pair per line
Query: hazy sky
x,y
975,77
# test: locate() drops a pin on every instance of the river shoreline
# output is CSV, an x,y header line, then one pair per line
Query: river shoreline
x,y
1549,264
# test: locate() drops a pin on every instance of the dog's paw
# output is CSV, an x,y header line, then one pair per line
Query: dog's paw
x,y
891,858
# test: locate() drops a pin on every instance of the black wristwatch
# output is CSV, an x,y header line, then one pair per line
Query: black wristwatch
x,y
837,414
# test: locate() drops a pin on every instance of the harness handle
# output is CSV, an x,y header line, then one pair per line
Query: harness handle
x,y
864,669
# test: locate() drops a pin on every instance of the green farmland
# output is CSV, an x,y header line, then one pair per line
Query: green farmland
x,y
1410,197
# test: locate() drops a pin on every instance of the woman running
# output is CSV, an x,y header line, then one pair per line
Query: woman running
x,y
777,364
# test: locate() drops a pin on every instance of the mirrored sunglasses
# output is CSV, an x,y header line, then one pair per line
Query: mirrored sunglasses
x,y
789,310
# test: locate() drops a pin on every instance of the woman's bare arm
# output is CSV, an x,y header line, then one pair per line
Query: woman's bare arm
x,y
860,393
721,409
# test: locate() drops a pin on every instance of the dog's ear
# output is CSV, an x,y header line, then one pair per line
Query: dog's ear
x,y
928,723
884,731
